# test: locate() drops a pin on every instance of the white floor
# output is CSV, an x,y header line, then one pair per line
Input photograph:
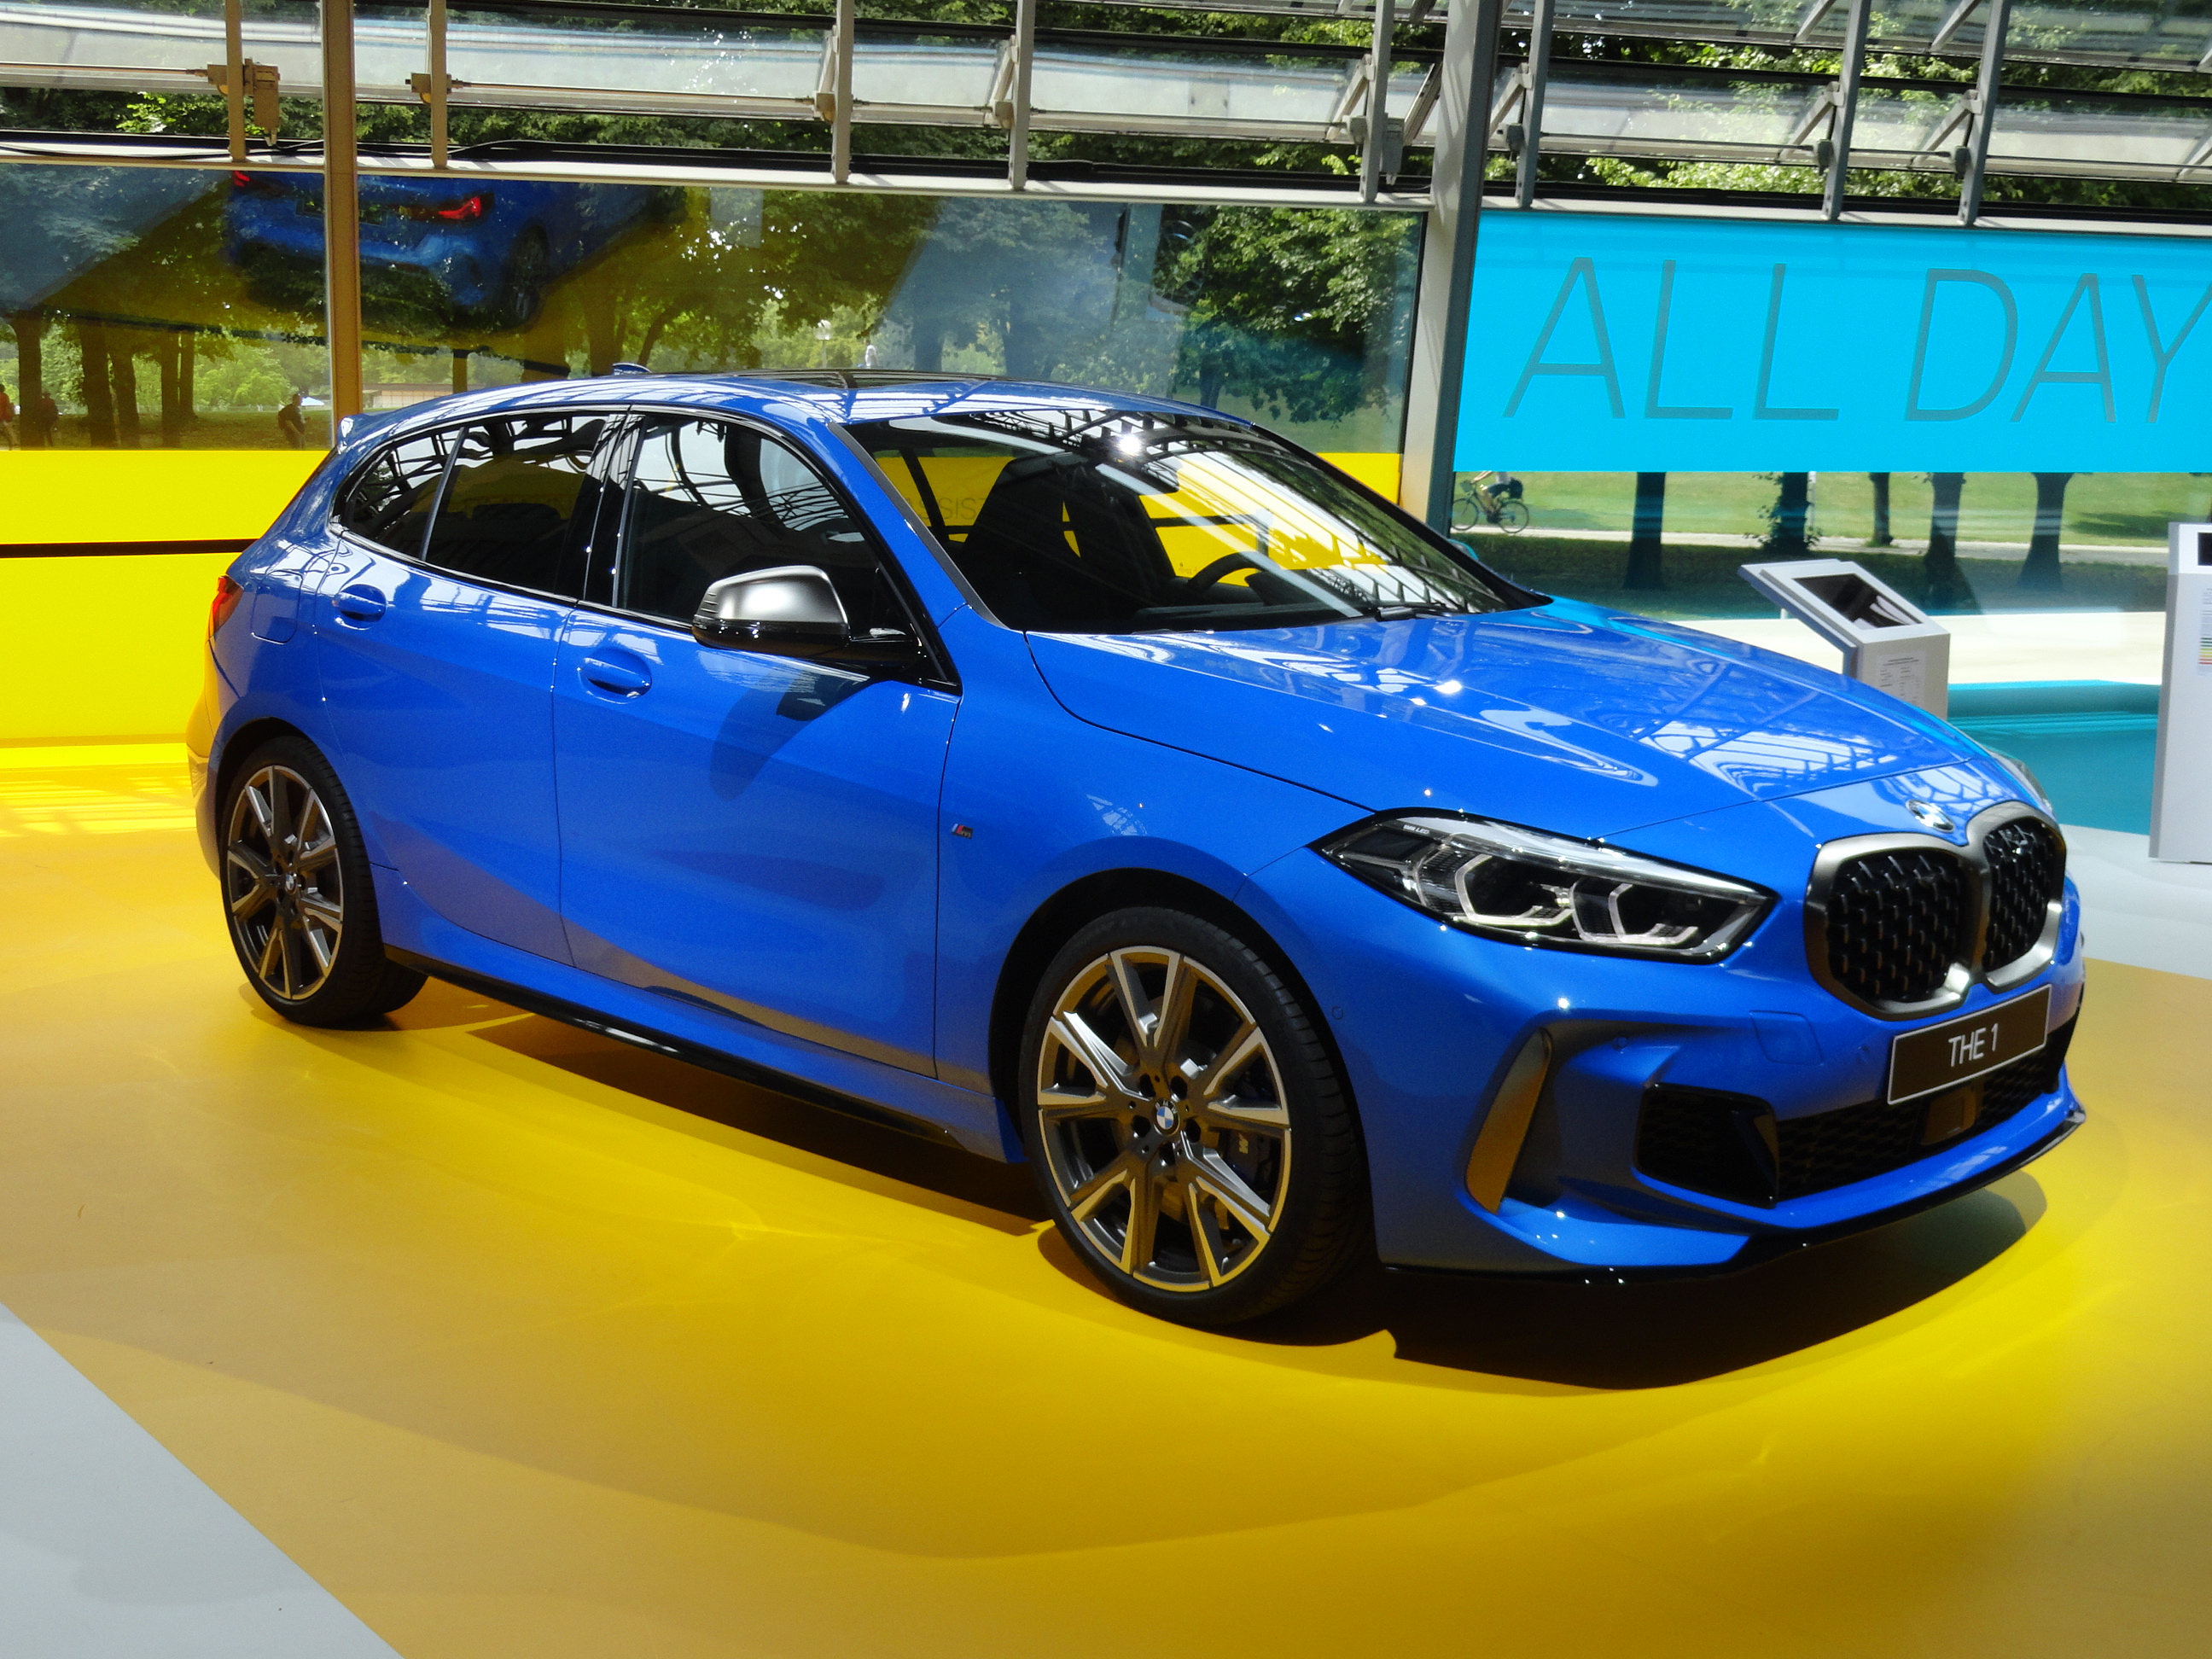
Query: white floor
x,y
2138,912
110,1548
2032,645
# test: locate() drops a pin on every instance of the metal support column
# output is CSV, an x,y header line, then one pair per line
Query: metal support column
x,y
840,120
433,88
233,74
1017,112
1377,148
340,211
1995,25
1465,83
1534,79
1846,96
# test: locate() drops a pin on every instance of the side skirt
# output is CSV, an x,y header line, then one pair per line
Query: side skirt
x,y
695,1053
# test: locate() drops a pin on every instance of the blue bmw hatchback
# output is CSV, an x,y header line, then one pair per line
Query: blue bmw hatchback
x,y
1107,783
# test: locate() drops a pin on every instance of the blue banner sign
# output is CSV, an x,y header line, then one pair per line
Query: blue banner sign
x,y
1612,343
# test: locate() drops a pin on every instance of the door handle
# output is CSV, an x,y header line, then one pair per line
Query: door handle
x,y
624,679
359,603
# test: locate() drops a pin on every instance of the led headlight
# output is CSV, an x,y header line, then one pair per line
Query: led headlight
x,y
1505,881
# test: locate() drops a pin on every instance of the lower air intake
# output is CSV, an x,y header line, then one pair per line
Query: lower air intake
x,y
1732,1146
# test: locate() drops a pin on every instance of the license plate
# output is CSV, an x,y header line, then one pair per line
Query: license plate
x,y
1959,1050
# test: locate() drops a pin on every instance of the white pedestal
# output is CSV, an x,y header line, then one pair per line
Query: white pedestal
x,y
2181,792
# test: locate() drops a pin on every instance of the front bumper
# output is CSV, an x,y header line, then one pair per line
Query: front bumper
x,y
1427,1019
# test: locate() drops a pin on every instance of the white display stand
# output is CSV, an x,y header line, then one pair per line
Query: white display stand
x,y
1887,641
2181,788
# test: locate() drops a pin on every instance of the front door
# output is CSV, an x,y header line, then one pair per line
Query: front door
x,y
436,631
749,833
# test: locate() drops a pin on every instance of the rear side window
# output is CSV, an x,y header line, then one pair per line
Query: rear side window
x,y
708,499
388,502
519,507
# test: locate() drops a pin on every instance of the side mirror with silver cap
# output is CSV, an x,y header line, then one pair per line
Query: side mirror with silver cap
x,y
792,611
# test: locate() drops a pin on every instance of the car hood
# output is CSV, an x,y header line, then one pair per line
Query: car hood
x,y
1567,716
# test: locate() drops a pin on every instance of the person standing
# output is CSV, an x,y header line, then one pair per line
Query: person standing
x,y
291,422
46,420
8,419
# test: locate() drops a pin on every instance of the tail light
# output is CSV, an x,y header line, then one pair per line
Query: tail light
x,y
227,593
470,207
247,181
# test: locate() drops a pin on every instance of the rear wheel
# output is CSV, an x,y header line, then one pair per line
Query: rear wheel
x,y
1513,516
522,285
296,885
1186,1120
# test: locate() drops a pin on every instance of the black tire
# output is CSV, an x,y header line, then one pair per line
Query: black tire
x,y
522,285
297,891
1513,516
1252,1175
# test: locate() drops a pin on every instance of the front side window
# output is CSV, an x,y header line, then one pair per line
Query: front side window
x,y
388,502
709,499
1104,520
520,505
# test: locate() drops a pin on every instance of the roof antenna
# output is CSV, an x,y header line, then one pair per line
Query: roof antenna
x,y
629,368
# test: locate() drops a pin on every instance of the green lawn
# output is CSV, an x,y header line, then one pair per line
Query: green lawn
x,y
1702,581
2122,508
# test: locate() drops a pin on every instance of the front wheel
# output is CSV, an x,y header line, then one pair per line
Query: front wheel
x,y
1187,1122
296,885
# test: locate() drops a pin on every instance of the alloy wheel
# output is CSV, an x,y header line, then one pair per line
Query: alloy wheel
x,y
283,883
1163,1120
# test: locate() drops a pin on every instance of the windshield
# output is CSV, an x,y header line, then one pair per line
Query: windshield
x,y
1115,521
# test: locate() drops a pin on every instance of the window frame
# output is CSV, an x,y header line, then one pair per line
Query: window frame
x,y
947,562
576,565
936,669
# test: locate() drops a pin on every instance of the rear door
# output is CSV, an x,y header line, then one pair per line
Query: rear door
x,y
458,555
750,833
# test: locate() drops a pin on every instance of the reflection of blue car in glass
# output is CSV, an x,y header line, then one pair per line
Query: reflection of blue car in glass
x,y
1104,782
479,253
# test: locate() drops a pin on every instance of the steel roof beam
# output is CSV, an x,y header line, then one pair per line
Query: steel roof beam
x,y
1535,73
1995,27
1845,95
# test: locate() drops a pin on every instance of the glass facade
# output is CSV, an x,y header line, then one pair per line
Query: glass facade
x,y
2103,534
174,307
132,324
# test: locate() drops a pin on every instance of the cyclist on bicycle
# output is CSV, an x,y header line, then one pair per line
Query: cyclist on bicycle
x,y
1499,501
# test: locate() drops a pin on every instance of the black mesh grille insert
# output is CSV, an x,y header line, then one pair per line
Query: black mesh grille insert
x,y
2026,871
1732,1146
1708,1140
1896,922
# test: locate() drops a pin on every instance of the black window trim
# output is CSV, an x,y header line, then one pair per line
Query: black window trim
x,y
391,442
931,543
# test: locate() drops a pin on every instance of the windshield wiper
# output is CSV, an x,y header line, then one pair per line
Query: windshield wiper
x,y
1404,610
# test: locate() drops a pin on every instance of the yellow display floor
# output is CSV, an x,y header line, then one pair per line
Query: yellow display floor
x,y
525,1344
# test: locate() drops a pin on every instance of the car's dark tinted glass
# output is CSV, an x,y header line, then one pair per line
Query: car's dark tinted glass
x,y
389,501
520,502
709,499
1106,520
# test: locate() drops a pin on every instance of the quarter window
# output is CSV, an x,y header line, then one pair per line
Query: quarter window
x,y
708,499
388,502
520,506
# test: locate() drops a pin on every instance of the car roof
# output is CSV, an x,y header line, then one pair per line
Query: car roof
x,y
805,396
